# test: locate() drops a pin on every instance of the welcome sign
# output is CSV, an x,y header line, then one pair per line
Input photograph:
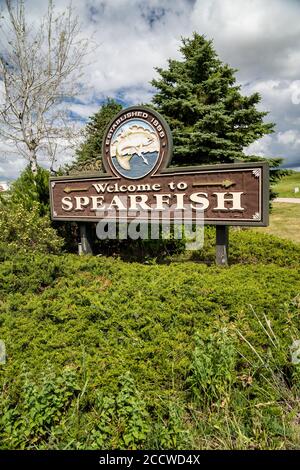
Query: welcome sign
x,y
137,149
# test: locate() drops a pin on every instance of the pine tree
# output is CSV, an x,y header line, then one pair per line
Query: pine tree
x,y
30,189
211,121
88,155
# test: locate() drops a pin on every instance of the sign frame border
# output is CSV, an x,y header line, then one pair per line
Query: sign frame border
x,y
264,222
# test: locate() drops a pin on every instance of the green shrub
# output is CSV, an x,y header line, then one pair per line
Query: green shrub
x,y
24,275
248,246
204,373
31,191
30,194
23,230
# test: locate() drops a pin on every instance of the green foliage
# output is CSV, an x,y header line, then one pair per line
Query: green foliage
x,y
170,430
213,368
21,207
27,420
249,246
30,190
89,152
211,121
24,230
150,356
123,418
23,276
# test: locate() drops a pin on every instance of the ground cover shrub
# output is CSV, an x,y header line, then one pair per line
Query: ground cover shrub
x,y
148,356
249,246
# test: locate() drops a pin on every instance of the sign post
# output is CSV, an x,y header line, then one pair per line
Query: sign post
x,y
85,239
138,181
222,245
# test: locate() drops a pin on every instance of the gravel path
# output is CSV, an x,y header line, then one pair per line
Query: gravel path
x,y
288,199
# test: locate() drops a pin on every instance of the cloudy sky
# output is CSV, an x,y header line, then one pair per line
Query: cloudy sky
x,y
261,38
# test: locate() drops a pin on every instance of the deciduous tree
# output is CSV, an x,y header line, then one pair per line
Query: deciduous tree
x,y
40,65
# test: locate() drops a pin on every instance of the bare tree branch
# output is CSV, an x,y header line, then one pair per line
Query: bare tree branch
x,y
39,70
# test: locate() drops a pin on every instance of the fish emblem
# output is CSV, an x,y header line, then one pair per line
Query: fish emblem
x,y
134,140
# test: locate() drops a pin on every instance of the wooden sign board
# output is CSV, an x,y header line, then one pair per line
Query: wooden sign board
x,y
137,150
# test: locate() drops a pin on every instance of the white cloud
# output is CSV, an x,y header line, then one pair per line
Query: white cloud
x,y
133,37
261,148
261,39
83,111
290,137
11,167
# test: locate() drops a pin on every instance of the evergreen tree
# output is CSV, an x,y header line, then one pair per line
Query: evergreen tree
x,y
30,190
211,121
88,155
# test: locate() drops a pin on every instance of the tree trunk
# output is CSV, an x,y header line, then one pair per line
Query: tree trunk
x,y
33,163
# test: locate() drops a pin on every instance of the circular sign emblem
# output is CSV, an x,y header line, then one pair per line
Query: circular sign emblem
x,y
137,143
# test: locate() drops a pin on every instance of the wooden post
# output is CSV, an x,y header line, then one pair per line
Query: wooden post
x,y
222,245
85,245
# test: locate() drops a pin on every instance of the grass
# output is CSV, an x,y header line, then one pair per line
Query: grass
x,y
284,221
285,187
